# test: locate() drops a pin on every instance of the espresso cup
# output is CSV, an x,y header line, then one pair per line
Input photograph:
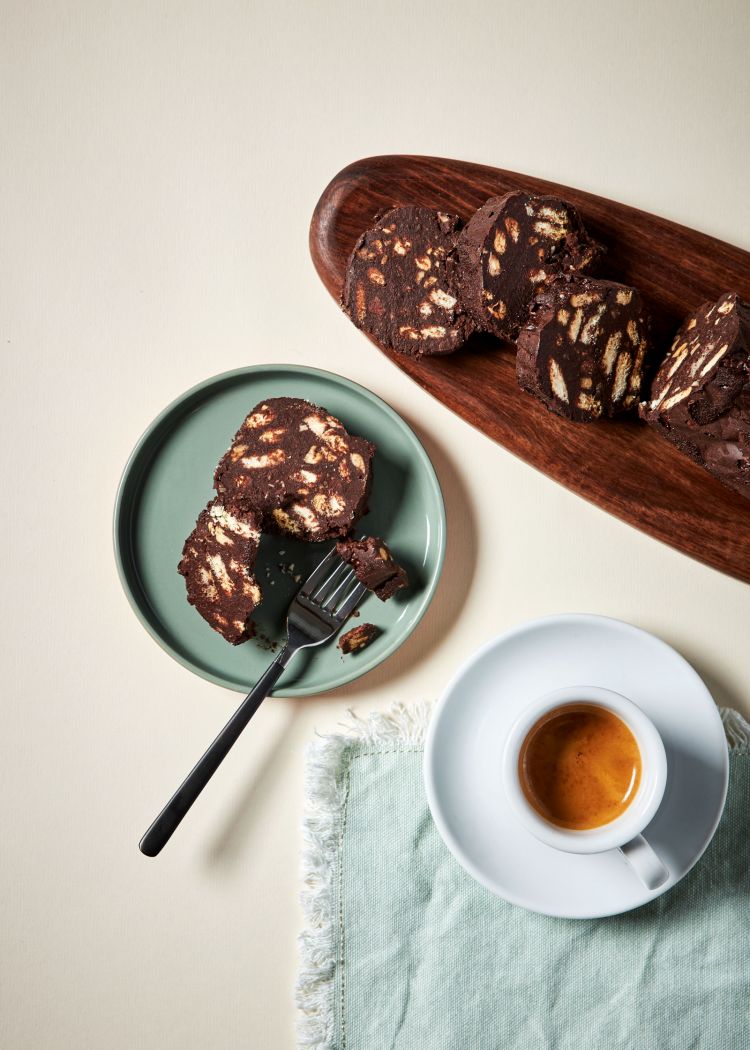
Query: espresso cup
x,y
624,832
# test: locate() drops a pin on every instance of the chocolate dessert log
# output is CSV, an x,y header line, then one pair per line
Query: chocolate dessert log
x,y
217,563
700,397
296,467
358,638
399,285
510,249
583,349
374,565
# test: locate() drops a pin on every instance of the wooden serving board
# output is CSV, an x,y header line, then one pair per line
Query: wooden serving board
x,y
622,466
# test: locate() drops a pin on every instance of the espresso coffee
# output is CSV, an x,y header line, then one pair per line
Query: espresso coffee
x,y
580,766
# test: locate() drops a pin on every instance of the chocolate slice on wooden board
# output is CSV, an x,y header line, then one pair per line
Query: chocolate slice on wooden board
x,y
358,638
700,397
583,350
374,565
296,467
400,285
511,248
217,563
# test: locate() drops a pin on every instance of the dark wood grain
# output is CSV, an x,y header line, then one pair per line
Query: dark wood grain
x,y
623,467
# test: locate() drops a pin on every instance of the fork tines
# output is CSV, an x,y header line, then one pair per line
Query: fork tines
x,y
329,587
320,573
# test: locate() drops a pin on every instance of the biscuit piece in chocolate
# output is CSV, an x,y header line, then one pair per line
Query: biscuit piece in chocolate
x,y
296,467
510,249
583,349
217,563
700,397
400,287
358,638
374,565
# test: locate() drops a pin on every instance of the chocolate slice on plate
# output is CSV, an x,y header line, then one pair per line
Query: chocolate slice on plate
x,y
217,563
296,467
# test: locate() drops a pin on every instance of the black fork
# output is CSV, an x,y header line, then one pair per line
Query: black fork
x,y
322,605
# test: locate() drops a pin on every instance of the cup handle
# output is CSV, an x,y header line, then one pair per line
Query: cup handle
x,y
645,862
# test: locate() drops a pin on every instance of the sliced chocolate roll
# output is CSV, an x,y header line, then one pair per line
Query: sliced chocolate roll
x,y
295,466
399,285
511,248
583,349
358,638
700,397
374,565
217,562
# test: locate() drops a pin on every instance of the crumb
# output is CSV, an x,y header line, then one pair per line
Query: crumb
x,y
374,565
268,645
358,638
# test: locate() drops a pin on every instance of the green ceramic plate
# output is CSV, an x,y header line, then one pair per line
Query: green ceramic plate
x,y
168,480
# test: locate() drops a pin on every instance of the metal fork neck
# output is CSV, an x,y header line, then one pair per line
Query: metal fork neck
x,y
285,655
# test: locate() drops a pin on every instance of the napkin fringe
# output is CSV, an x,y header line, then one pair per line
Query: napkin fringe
x,y
737,730
325,796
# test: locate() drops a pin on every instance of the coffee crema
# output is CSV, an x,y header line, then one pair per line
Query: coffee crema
x,y
580,766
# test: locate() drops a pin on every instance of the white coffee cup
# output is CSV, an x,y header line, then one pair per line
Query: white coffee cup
x,y
625,831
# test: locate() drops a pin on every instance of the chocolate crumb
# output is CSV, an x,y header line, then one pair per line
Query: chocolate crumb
x,y
373,565
358,638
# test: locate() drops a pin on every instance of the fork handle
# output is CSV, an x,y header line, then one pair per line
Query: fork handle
x,y
168,820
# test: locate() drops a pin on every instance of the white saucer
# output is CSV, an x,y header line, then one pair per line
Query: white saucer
x,y
463,751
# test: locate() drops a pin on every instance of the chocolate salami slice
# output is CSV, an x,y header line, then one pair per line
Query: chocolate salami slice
x,y
400,287
583,349
374,565
295,466
217,562
700,397
510,249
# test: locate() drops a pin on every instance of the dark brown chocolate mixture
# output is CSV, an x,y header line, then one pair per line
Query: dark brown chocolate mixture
x,y
374,565
358,638
296,467
400,287
217,563
700,397
583,349
510,249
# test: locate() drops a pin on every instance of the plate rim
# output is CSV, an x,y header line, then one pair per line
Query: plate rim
x,y
218,379
428,761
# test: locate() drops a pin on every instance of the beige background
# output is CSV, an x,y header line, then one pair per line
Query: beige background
x,y
159,163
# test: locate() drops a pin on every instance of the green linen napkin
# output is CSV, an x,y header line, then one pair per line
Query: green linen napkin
x,y
403,950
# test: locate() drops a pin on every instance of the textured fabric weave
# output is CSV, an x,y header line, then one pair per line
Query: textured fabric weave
x,y
426,959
